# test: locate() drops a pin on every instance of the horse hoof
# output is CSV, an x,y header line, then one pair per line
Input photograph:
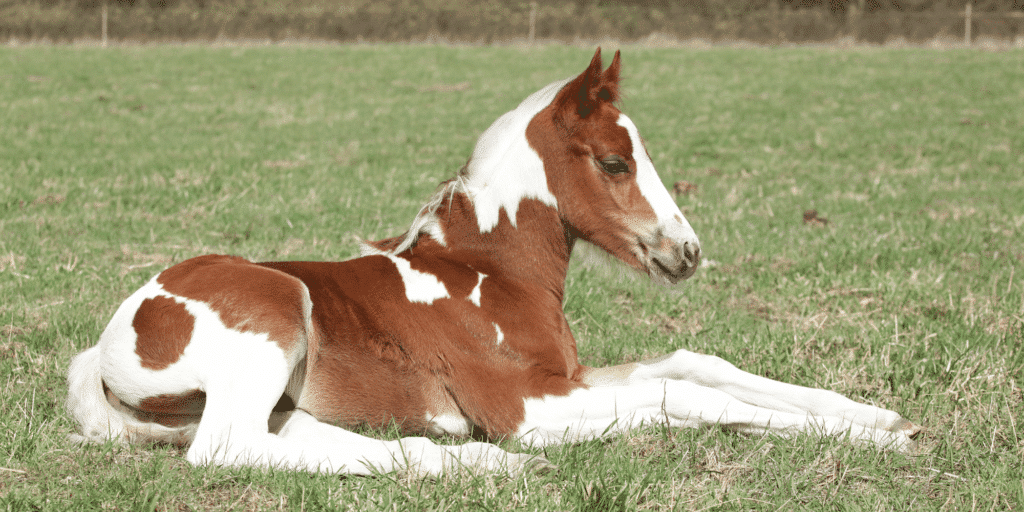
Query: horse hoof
x,y
905,426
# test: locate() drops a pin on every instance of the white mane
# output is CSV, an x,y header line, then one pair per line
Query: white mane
x,y
503,170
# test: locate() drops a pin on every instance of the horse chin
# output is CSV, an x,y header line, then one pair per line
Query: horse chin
x,y
639,258
665,275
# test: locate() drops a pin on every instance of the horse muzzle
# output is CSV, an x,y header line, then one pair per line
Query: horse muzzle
x,y
670,258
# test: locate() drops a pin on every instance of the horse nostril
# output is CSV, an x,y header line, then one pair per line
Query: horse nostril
x,y
691,250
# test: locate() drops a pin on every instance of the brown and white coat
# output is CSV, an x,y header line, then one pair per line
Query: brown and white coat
x,y
455,327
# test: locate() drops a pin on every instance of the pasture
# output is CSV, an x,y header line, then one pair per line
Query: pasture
x,y
900,291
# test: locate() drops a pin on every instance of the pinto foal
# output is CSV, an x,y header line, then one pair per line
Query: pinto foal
x,y
454,328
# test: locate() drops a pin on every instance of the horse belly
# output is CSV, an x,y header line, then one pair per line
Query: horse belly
x,y
354,389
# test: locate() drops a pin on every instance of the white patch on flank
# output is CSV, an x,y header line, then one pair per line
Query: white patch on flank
x,y
500,335
504,169
670,218
419,286
474,296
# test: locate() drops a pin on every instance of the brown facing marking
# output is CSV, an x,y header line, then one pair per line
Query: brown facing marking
x,y
245,296
163,328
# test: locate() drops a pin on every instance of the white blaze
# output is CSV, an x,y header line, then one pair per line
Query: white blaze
x,y
670,218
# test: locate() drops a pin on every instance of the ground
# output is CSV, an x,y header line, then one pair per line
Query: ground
x,y
119,162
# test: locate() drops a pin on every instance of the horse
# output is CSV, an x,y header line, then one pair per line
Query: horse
x,y
455,327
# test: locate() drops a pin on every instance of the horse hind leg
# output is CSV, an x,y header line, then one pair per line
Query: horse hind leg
x,y
234,432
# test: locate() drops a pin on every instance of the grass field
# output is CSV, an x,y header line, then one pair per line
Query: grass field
x,y
117,163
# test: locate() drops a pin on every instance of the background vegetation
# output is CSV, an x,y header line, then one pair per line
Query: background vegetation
x,y
117,163
490,21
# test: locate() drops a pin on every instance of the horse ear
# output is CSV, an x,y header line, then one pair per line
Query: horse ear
x,y
611,77
586,92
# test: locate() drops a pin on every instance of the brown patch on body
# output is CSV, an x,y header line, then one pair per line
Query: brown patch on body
x,y
172,410
246,297
163,328
381,359
169,410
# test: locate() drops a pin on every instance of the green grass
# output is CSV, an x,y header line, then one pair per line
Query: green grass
x,y
116,163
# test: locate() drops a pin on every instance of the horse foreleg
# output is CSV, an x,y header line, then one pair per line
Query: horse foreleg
x,y
590,413
716,373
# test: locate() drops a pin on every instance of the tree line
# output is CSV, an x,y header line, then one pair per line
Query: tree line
x,y
491,21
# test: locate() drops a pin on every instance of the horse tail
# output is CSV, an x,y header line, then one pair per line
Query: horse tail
x,y
101,416
87,403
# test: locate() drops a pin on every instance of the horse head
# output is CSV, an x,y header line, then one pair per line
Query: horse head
x,y
606,187
571,150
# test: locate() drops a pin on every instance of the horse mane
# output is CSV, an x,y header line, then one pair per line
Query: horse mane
x,y
425,221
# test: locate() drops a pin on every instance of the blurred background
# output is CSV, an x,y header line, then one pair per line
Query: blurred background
x,y
511,21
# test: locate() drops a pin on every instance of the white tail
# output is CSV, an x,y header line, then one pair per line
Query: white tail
x,y
87,403
99,419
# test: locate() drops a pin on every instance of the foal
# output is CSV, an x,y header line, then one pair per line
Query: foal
x,y
456,327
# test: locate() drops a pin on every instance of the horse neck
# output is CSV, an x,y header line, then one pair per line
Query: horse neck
x,y
533,252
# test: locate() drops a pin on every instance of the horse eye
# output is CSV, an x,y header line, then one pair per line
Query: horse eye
x,y
614,165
